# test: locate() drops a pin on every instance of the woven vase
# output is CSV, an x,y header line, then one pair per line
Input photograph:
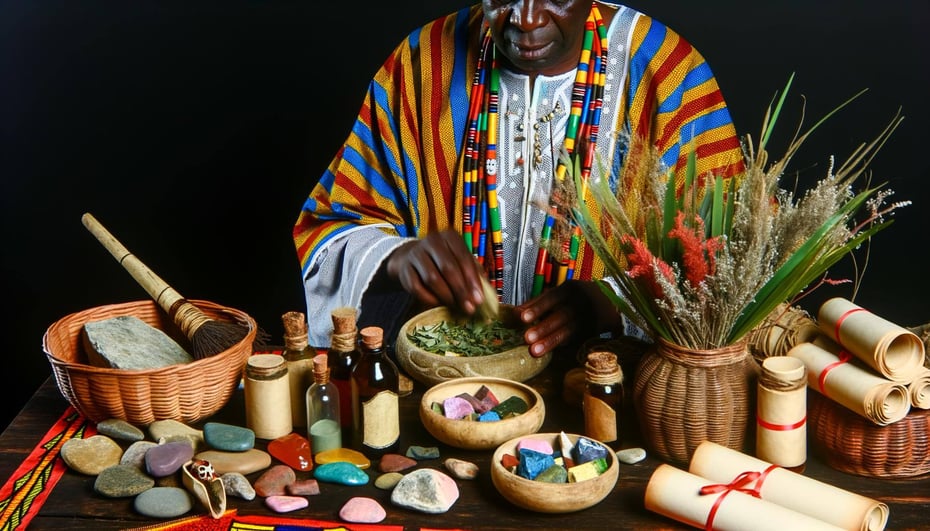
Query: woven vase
x,y
684,397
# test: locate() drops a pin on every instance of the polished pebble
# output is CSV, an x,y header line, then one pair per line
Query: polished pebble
x,y
166,459
362,510
120,430
122,481
461,469
341,473
395,463
227,437
343,455
423,452
163,502
274,481
169,430
92,455
135,454
425,490
303,487
242,462
631,456
286,504
235,484
293,450
388,481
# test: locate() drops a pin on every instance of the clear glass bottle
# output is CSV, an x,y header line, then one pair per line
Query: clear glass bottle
x,y
299,355
375,407
343,355
603,397
323,428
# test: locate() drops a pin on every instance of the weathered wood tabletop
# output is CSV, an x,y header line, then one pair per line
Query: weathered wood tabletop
x,y
73,504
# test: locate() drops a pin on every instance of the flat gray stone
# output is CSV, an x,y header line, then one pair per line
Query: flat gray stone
x,y
425,490
127,342
122,481
235,484
163,502
120,430
631,456
135,454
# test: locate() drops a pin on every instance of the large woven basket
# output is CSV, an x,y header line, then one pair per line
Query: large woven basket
x,y
853,444
184,392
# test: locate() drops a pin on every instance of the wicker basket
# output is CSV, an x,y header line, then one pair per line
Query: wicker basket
x,y
184,392
852,444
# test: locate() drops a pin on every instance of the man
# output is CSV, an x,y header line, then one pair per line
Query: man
x,y
453,169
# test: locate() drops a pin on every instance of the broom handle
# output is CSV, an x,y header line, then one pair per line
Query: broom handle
x,y
158,289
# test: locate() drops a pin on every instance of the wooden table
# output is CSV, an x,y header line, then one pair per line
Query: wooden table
x,y
74,505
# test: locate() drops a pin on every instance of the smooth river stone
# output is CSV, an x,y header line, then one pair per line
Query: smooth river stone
x,y
135,454
341,473
303,487
244,463
228,438
388,481
293,450
395,463
92,455
235,484
274,481
631,456
362,510
169,430
343,455
166,459
120,430
460,468
425,490
423,452
286,504
163,502
122,481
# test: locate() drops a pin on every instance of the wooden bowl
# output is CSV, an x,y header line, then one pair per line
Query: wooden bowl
x,y
551,497
430,368
473,435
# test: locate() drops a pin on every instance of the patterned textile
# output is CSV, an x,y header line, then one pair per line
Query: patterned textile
x,y
230,521
27,489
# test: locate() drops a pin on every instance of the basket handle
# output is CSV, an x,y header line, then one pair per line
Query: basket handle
x,y
158,289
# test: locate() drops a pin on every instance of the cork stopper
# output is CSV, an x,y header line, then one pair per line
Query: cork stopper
x,y
344,320
321,368
295,329
372,336
602,368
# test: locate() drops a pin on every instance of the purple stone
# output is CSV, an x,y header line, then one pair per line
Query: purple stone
x,y
166,459
457,408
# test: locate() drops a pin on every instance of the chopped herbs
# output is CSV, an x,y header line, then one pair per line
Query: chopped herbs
x,y
470,338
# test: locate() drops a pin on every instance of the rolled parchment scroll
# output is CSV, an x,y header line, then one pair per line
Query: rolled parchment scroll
x,y
919,390
831,371
677,494
818,500
894,351
781,412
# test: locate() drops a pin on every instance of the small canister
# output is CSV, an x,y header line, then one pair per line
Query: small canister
x,y
267,396
603,397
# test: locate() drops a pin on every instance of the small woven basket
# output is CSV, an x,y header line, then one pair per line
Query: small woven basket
x,y
184,392
853,444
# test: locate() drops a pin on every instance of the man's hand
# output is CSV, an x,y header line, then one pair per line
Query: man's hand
x,y
438,270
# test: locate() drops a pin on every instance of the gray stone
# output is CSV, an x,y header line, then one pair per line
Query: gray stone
x,y
169,430
235,484
135,454
425,490
122,481
163,502
388,481
228,438
631,456
120,430
127,342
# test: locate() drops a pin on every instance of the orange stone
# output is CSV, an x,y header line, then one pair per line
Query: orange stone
x,y
293,450
344,455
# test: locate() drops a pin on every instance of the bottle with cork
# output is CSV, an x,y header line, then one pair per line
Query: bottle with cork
x,y
375,402
343,355
323,427
299,356
602,401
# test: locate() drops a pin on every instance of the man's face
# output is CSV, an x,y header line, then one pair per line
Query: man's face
x,y
538,36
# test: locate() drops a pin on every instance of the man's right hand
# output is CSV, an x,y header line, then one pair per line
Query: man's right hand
x,y
438,270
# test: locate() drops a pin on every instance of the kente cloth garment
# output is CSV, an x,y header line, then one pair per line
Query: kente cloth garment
x,y
399,174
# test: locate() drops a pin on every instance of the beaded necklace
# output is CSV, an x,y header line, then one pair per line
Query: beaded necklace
x,y
558,252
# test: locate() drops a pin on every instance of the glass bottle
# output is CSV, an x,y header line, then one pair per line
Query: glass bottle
x,y
375,408
602,401
323,428
343,354
299,357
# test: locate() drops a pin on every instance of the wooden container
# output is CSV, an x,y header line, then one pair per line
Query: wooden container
x,y
184,392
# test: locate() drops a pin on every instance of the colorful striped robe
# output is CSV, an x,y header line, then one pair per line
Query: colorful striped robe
x,y
398,175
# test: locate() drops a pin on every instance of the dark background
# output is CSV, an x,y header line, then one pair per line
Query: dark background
x,y
194,131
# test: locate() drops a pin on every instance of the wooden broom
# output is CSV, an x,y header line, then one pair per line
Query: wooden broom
x,y
207,336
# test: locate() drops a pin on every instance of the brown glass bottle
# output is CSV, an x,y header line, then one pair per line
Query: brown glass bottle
x,y
342,356
375,407
603,397
299,355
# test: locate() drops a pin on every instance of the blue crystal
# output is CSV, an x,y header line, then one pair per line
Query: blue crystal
x,y
532,463
489,416
587,450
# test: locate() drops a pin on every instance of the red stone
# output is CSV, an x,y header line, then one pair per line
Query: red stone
x,y
305,487
509,461
293,450
396,463
274,481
